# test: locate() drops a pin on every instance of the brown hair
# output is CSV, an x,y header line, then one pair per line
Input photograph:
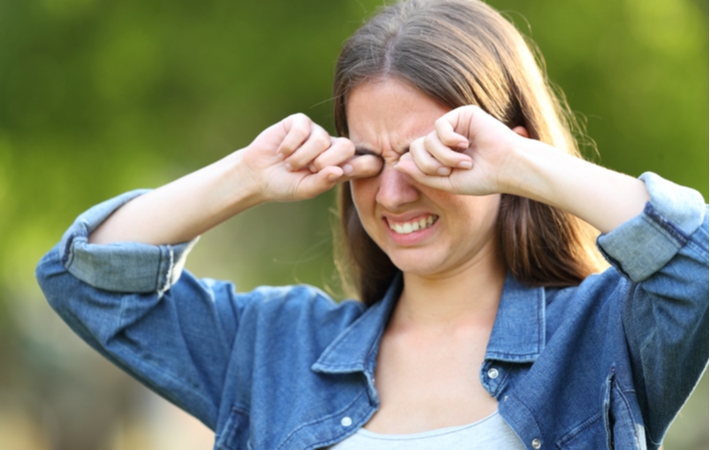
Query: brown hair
x,y
463,52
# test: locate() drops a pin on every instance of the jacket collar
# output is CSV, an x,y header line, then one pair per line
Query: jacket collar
x,y
355,349
518,333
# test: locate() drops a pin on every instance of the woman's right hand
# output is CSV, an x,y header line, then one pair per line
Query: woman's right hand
x,y
291,160
297,159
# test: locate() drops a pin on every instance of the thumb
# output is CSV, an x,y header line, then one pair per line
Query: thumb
x,y
362,166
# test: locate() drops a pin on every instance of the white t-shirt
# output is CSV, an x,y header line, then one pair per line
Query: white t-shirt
x,y
490,433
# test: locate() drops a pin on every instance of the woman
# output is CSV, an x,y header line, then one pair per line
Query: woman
x,y
464,212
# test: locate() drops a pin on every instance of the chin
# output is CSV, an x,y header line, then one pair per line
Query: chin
x,y
417,262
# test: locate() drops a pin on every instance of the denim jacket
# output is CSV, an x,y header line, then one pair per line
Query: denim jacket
x,y
606,364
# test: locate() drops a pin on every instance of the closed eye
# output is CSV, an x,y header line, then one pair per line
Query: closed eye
x,y
360,151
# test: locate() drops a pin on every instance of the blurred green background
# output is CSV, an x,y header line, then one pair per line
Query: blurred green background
x,y
99,97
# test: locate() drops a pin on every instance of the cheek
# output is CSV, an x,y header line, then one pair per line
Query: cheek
x,y
363,194
481,212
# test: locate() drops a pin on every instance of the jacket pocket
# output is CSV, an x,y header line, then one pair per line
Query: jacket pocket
x,y
235,433
624,429
613,427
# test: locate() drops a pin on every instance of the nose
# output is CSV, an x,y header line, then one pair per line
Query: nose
x,y
396,189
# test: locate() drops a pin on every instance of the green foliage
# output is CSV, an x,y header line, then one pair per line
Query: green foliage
x,y
637,70
100,97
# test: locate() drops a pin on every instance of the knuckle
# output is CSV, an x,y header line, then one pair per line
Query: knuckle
x,y
417,147
345,144
430,139
300,117
302,123
322,140
320,163
297,138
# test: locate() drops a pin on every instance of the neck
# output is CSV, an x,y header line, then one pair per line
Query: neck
x,y
467,294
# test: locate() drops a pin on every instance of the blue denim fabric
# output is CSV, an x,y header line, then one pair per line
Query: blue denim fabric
x,y
606,364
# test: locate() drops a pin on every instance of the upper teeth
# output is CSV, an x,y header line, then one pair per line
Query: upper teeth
x,y
415,225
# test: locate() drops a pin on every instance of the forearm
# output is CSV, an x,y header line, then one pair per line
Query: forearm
x,y
294,159
599,196
184,208
472,153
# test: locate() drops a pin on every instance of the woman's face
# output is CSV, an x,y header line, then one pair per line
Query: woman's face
x,y
424,231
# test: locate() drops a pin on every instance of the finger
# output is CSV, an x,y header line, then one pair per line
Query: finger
x,y
444,154
317,143
444,127
298,130
340,151
317,183
521,131
407,165
424,160
362,166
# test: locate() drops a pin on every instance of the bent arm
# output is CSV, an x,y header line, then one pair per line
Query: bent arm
x,y
124,300
117,279
599,196
479,155
664,253
655,234
183,209
294,159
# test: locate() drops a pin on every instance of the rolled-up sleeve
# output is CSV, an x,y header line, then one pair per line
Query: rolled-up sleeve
x,y
641,246
663,253
122,266
135,305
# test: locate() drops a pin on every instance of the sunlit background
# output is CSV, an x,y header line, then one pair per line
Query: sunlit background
x,y
98,97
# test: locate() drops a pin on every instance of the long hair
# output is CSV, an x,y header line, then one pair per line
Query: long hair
x,y
462,52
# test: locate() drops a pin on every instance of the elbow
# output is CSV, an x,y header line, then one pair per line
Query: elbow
x,y
49,273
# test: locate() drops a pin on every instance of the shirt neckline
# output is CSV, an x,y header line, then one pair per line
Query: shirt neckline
x,y
518,333
424,434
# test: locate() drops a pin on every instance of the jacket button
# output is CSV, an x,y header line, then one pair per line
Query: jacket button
x,y
536,444
493,373
347,421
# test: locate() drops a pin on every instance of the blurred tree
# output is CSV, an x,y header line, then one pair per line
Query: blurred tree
x,y
100,97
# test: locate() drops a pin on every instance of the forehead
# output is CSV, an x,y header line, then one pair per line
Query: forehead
x,y
388,114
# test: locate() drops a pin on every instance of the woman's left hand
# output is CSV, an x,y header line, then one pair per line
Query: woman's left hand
x,y
472,153
469,152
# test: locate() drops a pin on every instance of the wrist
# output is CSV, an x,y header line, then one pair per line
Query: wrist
x,y
240,187
599,196
523,173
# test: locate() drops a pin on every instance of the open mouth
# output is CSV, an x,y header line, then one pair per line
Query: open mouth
x,y
413,225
